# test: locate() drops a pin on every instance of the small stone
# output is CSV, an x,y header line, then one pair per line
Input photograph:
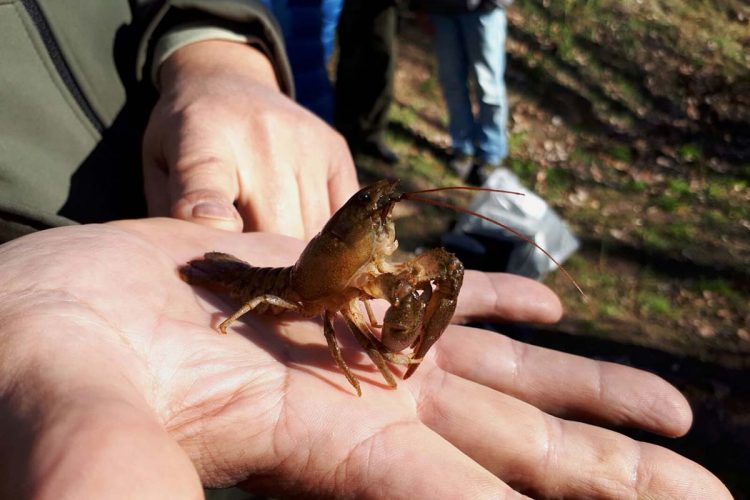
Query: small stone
x,y
706,331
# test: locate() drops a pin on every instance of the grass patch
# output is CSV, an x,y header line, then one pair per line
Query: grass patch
x,y
635,186
690,152
679,187
583,157
559,179
653,237
668,202
404,115
718,286
611,310
717,217
681,230
429,87
516,142
652,304
525,169
423,166
621,153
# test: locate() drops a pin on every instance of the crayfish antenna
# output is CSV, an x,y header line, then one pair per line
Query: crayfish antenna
x,y
461,188
515,232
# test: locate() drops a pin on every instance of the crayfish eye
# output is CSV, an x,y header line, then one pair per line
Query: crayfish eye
x,y
364,196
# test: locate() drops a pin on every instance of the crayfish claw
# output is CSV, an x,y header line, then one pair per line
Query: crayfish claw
x,y
412,368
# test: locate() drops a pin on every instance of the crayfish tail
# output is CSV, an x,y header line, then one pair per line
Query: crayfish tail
x,y
226,273
218,271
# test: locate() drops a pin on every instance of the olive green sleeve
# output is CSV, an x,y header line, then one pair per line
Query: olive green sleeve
x,y
180,22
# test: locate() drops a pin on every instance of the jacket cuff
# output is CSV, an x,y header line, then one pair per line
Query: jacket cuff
x,y
181,22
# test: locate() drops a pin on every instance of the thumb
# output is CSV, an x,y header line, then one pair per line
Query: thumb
x,y
203,191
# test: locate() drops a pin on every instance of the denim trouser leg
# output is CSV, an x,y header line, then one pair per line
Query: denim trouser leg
x,y
453,73
484,37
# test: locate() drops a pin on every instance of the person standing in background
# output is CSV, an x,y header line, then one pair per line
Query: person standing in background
x,y
364,75
470,39
309,28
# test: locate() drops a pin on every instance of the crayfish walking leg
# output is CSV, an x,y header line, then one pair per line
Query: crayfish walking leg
x,y
333,346
248,306
370,344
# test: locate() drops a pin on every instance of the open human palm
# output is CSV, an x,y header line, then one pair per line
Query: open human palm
x,y
115,383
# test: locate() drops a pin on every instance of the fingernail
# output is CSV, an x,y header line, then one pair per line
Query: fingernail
x,y
213,210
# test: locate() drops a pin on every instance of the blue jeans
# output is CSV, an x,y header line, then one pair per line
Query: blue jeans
x,y
309,28
474,43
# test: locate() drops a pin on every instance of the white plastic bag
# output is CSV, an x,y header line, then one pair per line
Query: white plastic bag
x,y
529,214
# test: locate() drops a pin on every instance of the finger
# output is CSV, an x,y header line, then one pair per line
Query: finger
x,y
342,176
280,144
155,173
556,458
400,462
325,186
203,183
505,297
565,385
315,205
203,190
271,203
156,188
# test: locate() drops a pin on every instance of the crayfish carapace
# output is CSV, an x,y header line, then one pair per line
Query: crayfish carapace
x,y
355,248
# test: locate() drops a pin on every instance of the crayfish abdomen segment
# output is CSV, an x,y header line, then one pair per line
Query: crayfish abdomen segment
x,y
242,281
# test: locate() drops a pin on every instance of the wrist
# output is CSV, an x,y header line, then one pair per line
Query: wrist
x,y
212,58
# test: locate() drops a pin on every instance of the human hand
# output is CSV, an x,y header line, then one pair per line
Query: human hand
x,y
225,148
115,384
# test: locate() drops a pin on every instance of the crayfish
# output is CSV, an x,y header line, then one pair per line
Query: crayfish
x,y
359,238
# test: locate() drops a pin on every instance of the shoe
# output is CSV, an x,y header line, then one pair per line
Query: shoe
x,y
379,151
481,172
462,164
